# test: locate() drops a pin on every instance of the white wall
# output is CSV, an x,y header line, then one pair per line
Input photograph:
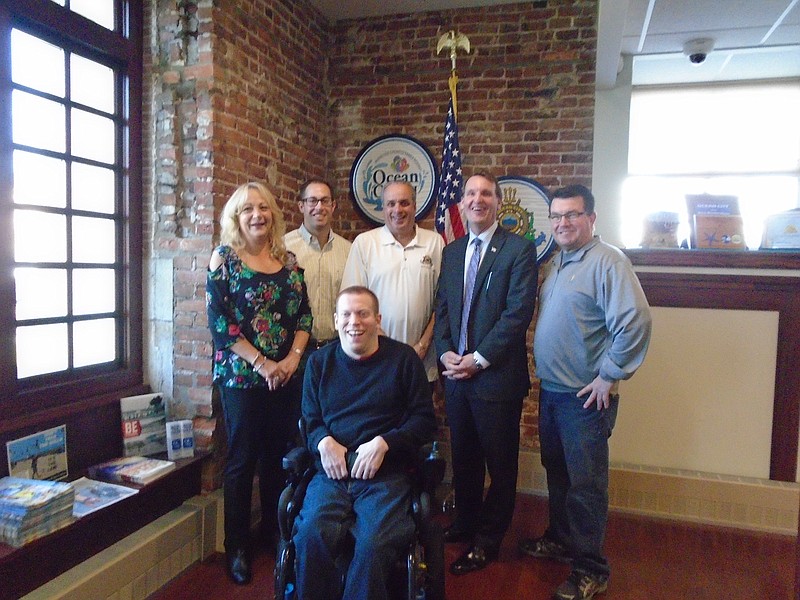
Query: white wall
x,y
703,400
610,164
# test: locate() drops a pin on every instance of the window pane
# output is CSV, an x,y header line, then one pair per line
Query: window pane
x,y
93,342
37,122
92,188
92,291
726,129
39,237
93,240
91,83
31,360
92,136
99,11
759,196
41,293
31,171
37,64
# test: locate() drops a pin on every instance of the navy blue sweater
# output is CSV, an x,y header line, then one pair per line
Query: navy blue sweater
x,y
353,400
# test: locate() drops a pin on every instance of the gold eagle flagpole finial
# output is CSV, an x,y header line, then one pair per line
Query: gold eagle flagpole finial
x,y
453,41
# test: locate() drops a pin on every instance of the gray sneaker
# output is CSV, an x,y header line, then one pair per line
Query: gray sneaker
x,y
543,547
581,586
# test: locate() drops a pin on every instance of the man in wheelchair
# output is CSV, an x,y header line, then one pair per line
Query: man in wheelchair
x,y
367,409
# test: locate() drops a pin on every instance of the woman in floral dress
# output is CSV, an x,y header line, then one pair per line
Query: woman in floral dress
x,y
260,320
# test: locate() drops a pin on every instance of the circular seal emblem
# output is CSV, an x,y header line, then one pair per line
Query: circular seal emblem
x,y
387,159
524,211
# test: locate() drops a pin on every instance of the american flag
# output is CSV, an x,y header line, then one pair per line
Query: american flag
x,y
449,221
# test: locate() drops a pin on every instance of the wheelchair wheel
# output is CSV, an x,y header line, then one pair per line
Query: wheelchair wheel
x,y
284,570
415,573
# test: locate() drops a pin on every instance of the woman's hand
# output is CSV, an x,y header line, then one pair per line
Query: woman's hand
x,y
288,366
272,374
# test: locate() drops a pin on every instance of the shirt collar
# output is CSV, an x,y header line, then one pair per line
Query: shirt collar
x,y
387,239
484,235
308,237
576,255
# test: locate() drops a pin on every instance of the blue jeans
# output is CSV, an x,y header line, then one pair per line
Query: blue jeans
x,y
377,512
261,426
574,446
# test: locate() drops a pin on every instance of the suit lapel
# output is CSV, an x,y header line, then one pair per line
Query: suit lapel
x,y
495,244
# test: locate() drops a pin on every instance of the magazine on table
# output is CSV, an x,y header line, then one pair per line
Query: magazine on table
x,y
132,469
91,495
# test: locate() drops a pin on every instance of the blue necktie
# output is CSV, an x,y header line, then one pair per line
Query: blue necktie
x,y
469,286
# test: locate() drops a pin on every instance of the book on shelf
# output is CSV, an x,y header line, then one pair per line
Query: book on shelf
x,y
144,424
91,495
715,222
132,469
31,508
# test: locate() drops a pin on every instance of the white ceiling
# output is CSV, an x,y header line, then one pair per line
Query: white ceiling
x,y
753,39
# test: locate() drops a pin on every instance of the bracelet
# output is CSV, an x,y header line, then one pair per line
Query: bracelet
x,y
253,362
256,365
297,351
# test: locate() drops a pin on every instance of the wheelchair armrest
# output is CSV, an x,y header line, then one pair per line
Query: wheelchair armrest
x,y
432,468
296,461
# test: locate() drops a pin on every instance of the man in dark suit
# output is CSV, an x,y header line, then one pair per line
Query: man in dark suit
x,y
480,340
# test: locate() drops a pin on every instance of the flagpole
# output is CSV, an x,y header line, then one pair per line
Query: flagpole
x,y
453,83
449,220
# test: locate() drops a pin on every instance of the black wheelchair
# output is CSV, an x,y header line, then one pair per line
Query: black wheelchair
x,y
419,575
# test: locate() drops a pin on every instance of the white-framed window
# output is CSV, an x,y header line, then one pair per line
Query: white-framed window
x,y
740,140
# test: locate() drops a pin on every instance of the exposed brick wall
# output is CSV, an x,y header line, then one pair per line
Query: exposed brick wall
x,y
269,90
525,96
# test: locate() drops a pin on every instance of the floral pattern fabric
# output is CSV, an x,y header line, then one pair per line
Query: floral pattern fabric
x,y
266,309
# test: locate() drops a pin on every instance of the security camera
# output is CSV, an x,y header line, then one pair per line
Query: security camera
x,y
698,50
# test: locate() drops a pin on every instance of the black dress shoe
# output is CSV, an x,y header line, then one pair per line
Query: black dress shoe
x,y
456,534
476,558
238,566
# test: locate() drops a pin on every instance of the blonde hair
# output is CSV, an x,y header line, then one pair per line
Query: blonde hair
x,y
230,234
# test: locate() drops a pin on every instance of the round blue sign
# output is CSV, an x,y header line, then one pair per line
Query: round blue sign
x,y
524,211
385,160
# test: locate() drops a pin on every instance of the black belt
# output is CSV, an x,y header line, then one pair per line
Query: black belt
x,y
314,344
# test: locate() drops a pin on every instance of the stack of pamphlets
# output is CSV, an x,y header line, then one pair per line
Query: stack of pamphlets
x,y
132,469
30,508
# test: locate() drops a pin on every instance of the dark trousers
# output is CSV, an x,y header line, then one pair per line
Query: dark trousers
x,y
484,437
574,445
377,512
261,426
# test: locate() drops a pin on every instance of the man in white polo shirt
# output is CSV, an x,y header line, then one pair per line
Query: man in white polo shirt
x,y
321,254
400,263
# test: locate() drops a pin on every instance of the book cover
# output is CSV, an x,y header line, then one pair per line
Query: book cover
x,y
42,455
782,231
144,424
132,469
724,232
700,206
91,495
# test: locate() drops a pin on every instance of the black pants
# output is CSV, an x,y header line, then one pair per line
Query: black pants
x,y
484,436
261,427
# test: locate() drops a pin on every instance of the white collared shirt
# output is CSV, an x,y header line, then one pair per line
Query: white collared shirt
x,y
403,278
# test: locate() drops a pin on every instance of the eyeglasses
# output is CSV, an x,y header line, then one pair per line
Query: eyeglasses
x,y
570,216
311,201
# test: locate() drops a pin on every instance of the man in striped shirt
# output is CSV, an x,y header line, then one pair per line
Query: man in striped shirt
x,y
322,254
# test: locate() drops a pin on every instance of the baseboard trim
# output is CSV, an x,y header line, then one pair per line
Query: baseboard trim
x,y
692,496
